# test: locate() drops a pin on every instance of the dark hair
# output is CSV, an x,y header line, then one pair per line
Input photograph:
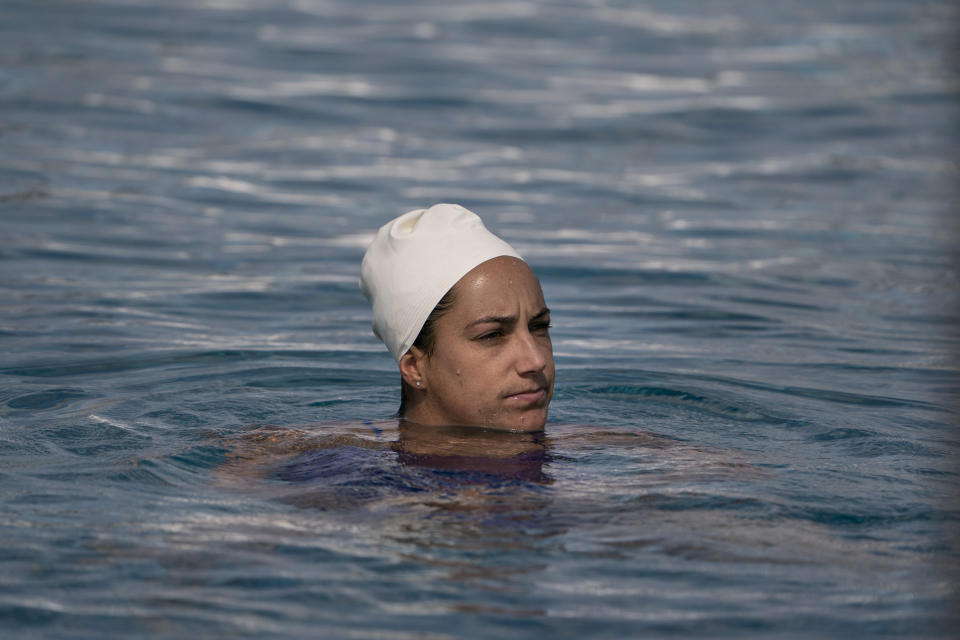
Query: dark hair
x,y
426,341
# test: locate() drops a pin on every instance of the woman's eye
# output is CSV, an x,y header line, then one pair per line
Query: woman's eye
x,y
540,327
490,335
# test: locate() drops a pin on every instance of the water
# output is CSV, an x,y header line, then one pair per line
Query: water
x,y
741,215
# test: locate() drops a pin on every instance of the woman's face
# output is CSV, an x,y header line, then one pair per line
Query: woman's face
x,y
492,363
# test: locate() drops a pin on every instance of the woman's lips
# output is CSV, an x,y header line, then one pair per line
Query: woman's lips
x,y
533,396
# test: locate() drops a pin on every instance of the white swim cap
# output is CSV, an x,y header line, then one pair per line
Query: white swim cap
x,y
412,263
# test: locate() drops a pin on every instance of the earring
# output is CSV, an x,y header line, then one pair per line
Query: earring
x,y
418,384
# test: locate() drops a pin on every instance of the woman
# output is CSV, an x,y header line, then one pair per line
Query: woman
x,y
465,319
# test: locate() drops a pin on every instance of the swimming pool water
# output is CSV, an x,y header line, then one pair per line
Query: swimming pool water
x,y
741,214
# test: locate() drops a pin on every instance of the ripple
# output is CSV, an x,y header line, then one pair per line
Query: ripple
x,y
49,399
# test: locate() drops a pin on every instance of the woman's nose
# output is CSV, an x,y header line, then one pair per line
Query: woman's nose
x,y
531,356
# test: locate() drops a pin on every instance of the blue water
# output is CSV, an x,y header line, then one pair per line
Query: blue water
x,y
741,213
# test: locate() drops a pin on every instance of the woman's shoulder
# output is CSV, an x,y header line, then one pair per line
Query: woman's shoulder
x,y
256,451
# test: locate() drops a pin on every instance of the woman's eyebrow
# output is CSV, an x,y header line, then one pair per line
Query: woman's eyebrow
x,y
507,319
494,319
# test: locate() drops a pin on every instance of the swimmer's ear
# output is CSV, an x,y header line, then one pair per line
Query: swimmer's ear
x,y
412,369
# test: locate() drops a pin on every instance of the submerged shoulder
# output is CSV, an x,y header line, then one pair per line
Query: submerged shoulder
x,y
256,452
643,447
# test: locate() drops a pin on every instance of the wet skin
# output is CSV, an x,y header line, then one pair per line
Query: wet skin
x,y
492,365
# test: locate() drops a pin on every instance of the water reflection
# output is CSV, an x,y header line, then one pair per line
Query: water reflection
x,y
360,463
497,454
446,499
499,523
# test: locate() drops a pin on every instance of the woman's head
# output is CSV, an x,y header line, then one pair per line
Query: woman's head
x,y
491,361
472,340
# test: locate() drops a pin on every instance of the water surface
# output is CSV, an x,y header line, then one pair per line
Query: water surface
x,y
741,215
